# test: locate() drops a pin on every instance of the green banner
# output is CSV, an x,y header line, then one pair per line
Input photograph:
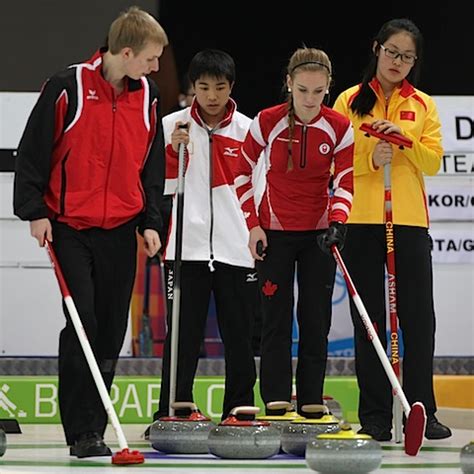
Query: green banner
x,y
35,399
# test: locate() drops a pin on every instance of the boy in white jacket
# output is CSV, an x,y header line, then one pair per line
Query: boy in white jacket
x,y
215,255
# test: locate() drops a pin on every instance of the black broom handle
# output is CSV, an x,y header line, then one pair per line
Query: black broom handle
x,y
177,276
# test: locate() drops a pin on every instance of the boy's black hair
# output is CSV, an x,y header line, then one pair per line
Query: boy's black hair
x,y
214,63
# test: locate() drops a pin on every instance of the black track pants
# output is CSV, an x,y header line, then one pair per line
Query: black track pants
x,y
99,268
315,273
235,297
365,256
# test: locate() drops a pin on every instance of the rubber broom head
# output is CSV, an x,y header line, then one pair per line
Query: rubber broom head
x,y
128,457
415,429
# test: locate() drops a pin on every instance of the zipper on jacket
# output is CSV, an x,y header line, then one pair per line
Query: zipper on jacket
x,y
114,109
387,103
303,146
62,196
211,204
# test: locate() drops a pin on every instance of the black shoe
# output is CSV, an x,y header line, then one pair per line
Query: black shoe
x,y
435,429
88,445
379,433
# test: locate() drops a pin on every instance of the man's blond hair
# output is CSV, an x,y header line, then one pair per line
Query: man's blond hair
x,y
135,28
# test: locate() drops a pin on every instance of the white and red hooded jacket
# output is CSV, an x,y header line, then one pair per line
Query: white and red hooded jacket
x,y
90,158
213,224
298,199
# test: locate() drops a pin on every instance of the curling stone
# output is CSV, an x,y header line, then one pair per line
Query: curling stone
x,y
334,406
280,421
296,434
467,458
181,434
235,438
3,442
343,452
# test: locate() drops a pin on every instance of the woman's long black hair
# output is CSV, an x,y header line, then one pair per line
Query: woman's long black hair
x,y
365,100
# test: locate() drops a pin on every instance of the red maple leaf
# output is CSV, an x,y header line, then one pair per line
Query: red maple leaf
x,y
269,288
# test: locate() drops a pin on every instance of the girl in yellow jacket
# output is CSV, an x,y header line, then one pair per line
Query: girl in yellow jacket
x,y
387,100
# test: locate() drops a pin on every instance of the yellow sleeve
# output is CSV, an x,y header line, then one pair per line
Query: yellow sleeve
x,y
427,150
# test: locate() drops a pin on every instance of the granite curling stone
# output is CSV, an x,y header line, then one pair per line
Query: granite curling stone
x,y
334,406
3,442
280,421
467,458
238,438
343,452
317,420
181,434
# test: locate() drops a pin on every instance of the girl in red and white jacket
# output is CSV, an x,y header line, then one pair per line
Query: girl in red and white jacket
x,y
306,146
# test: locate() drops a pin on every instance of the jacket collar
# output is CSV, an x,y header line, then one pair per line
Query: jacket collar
x,y
97,58
406,89
231,107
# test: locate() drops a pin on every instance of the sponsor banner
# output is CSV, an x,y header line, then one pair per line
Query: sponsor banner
x,y
450,202
457,122
457,164
34,399
453,245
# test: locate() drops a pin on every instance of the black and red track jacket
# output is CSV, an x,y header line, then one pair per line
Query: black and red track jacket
x,y
88,157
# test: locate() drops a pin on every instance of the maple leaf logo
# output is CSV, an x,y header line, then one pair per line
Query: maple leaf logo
x,y
269,288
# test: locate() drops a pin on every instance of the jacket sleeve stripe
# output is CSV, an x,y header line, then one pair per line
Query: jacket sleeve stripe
x,y
341,206
241,180
146,101
256,133
341,175
80,97
342,193
246,196
347,140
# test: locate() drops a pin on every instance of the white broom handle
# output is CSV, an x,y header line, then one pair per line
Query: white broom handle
x,y
397,389
99,381
86,347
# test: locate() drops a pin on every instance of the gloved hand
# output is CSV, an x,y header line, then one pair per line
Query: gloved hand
x,y
335,234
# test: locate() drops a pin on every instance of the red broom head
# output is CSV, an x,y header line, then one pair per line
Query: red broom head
x,y
415,429
128,457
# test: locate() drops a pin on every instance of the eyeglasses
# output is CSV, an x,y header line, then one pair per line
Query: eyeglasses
x,y
406,58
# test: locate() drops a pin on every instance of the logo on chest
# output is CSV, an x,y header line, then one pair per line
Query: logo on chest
x,y
230,151
324,148
92,95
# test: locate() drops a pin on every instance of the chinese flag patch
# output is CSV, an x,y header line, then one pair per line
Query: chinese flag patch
x,y
407,115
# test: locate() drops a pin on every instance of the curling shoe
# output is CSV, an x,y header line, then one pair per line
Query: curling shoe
x,y
377,432
435,429
88,445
